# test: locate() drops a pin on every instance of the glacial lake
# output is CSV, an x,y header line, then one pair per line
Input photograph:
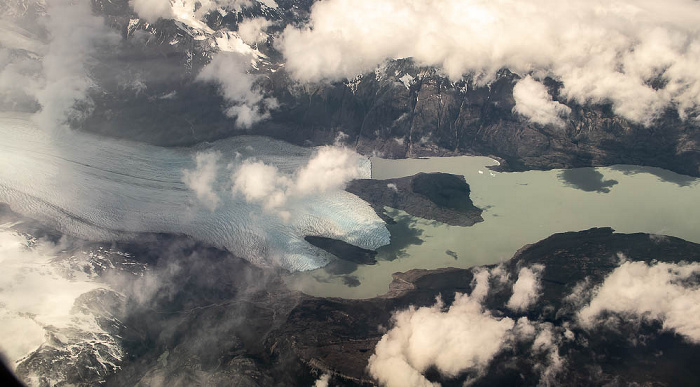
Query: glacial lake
x,y
519,208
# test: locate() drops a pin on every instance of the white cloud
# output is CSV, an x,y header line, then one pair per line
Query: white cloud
x,y
526,289
547,342
201,179
20,79
20,68
229,71
601,51
16,37
152,10
533,101
500,274
74,36
323,381
654,292
253,30
39,296
262,183
464,337
329,169
190,12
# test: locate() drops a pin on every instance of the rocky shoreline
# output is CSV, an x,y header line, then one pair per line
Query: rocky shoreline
x,y
434,196
441,197
211,318
345,332
591,307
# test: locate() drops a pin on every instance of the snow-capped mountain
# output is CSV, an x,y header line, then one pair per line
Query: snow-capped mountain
x,y
62,317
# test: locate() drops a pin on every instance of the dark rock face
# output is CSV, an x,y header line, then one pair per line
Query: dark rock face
x,y
431,116
66,356
436,117
346,331
445,190
343,250
170,311
194,315
206,321
436,196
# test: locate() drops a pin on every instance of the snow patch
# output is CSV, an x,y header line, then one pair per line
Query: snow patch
x,y
407,81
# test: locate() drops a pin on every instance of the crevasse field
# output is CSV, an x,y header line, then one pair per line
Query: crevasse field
x,y
102,189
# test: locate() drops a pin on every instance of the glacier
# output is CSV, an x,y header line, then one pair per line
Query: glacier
x,y
101,189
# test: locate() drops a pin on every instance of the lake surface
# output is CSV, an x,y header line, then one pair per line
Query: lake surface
x,y
519,208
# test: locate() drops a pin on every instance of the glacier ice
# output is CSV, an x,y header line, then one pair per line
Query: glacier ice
x,y
104,189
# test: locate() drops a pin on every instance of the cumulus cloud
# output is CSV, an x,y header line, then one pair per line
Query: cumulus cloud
x,y
526,289
500,274
329,169
75,33
544,340
600,51
152,10
228,70
253,30
467,337
463,337
262,183
201,179
533,101
38,296
187,11
660,291
323,381
449,339
547,343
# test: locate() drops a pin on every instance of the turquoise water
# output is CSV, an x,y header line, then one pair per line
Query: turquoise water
x,y
519,208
